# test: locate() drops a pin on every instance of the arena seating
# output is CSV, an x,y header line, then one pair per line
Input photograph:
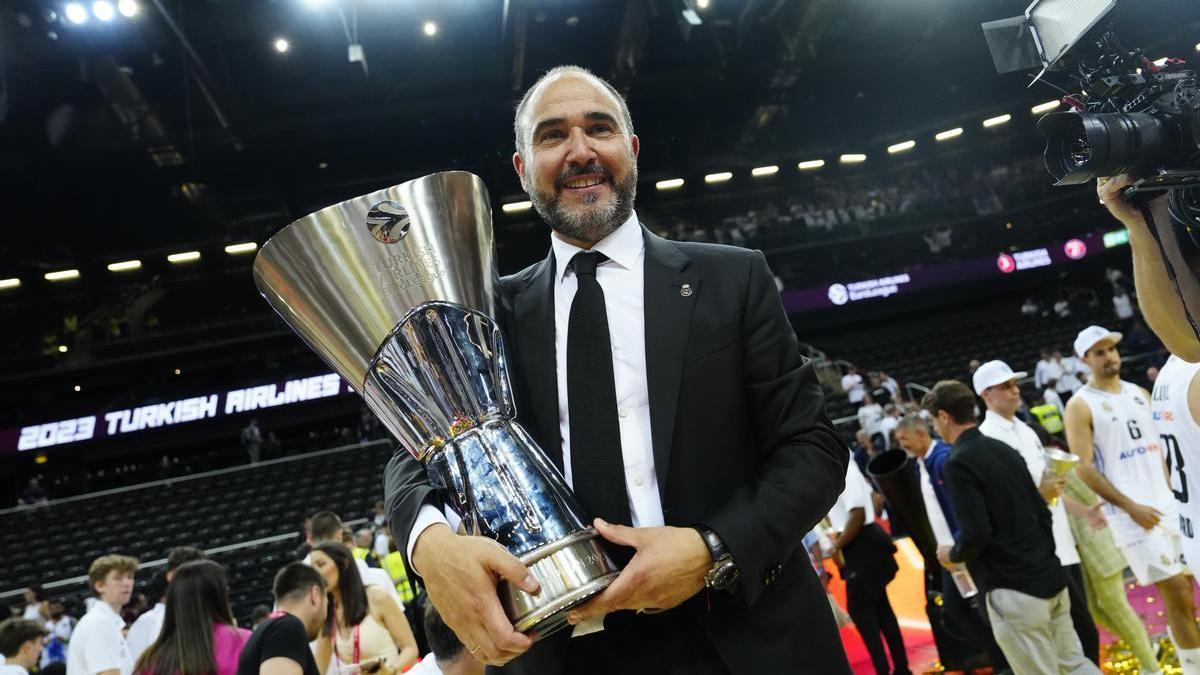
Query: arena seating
x,y
212,510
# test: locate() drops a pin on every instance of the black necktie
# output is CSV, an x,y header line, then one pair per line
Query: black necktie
x,y
598,471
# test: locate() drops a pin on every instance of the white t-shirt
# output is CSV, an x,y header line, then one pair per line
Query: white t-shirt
x,y
857,495
886,426
426,666
1018,436
1123,306
14,669
852,384
1129,454
98,644
145,630
869,417
1180,437
1047,369
1055,400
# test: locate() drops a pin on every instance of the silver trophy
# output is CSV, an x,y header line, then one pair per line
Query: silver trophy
x,y
395,290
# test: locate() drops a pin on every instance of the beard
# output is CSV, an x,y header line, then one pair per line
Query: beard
x,y
598,217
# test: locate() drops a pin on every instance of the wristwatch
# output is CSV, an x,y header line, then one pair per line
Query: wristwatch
x,y
724,572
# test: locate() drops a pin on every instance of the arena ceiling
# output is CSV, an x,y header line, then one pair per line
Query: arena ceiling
x,y
184,124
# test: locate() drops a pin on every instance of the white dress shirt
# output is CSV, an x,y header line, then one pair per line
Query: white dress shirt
x,y
1017,435
933,508
145,629
622,279
98,643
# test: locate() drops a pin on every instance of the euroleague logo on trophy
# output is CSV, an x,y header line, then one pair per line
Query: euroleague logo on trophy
x,y
388,222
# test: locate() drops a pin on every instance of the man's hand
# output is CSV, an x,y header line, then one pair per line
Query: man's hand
x,y
943,556
1109,191
460,576
668,568
1051,486
1145,516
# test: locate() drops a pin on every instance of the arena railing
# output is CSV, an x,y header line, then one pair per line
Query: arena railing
x,y
195,476
151,564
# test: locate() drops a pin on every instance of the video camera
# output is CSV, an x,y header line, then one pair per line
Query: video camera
x,y
1131,115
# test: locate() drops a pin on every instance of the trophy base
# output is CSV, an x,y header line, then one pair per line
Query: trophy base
x,y
569,572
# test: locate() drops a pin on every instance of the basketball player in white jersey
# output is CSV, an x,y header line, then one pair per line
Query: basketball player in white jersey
x,y
1109,425
1176,408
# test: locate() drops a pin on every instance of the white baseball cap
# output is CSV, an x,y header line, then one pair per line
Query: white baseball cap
x,y
1088,337
993,373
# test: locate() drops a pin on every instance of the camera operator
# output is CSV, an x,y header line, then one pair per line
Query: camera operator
x,y
1165,311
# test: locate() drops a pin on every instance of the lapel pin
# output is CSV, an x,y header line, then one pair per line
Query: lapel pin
x,y
685,290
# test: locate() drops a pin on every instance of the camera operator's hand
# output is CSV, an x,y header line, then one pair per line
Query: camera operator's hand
x,y
1109,188
460,574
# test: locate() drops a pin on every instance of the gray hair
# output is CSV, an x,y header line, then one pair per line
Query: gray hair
x,y
519,130
912,422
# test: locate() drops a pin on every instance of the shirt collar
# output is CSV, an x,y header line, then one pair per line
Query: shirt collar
x,y
929,452
103,607
993,418
623,246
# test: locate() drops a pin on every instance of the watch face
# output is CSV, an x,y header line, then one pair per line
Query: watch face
x,y
722,575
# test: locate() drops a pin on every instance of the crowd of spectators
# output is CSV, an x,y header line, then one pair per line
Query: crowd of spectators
x,y
346,603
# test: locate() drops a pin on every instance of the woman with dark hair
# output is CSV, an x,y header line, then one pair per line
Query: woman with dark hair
x,y
199,635
366,630
36,608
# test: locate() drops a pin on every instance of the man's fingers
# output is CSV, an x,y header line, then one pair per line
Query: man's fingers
x,y
501,633
617,534
615,597
507,566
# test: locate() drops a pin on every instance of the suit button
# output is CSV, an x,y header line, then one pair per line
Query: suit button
x,y
622,413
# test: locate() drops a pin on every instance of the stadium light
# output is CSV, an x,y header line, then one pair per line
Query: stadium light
x,y
128,8
62,275
948,134
901,147
669,184
720,177
701,4
125,266
1044,107
62,349
516,207
185,256
78,388
76,13
852,158
282,45
430,29
997,120
1198,46
238,249
811,164
10,283
103,10
764,171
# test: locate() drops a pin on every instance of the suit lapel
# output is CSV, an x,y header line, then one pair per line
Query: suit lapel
x,y
670,296
533,310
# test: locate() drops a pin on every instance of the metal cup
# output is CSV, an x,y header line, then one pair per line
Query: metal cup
x,y
395,290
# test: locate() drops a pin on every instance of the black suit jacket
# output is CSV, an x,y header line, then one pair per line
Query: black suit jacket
x,y
740,438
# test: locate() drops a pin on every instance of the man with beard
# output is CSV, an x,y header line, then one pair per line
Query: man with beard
x,y
664,380
1109,425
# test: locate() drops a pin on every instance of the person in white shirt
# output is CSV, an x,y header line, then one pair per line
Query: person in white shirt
x,y
1110,426
60,625
864,554
146,628
1047,370
447,655
1050,395
870,414
98,646
35,604
1122,306
1175,405
21,645
891,418
996,383
852,384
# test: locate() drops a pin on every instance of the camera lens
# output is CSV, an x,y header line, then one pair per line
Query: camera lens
x,y
1082,146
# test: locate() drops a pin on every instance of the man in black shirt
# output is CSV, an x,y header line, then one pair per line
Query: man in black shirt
x,y
279,645
1006,541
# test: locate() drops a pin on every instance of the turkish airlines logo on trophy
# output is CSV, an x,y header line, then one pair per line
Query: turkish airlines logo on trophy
x,y
388,222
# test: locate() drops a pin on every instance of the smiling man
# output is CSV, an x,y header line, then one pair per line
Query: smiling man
x,y
664,380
